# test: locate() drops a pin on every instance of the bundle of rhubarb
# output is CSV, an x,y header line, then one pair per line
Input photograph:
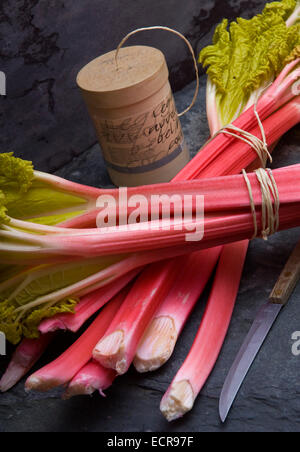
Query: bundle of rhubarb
x,y
58,269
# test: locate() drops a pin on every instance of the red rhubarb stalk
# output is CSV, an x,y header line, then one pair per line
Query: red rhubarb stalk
x,y
91,378
225,154
215,125
227,199
63,369
153,352
117,348
24,358
89,285
159,340
227,208
190,379
274,99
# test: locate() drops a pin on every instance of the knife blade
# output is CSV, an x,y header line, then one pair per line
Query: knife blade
x,y
262,325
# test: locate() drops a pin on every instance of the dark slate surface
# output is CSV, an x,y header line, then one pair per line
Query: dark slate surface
x,y
269,399
44,43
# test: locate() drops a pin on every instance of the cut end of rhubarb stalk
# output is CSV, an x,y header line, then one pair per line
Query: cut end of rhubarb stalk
x,y
90,379
78,389
110,352
178,400
35,383
157,345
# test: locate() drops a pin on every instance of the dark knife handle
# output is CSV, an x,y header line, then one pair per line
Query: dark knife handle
x,y
288,279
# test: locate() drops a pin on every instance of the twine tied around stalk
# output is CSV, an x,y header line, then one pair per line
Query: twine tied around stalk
x,y
175,32
270,202
259,146
269,189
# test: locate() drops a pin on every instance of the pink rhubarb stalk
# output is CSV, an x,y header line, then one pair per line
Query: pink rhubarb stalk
x,y
91,378
117,348
153,351
274,99
160,338
229,154
227,219
24,358
226,203
42,248
63,369
190,379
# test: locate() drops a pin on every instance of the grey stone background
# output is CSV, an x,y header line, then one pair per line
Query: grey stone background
x,y
44,43
269,398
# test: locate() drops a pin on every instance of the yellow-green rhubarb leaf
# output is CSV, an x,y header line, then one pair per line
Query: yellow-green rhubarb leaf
x,y
15,328
247,55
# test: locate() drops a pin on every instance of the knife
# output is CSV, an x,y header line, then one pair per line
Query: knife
x,y
259,331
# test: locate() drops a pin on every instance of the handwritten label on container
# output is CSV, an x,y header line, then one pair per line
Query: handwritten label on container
x,y
144,142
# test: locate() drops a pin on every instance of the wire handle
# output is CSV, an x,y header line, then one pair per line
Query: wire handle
x,y
158,27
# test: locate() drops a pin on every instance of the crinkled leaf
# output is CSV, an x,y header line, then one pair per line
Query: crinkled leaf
x,y
28,326
284,8
294,55
33,320
15,174
248,55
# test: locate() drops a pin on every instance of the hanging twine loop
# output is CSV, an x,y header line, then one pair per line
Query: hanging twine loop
x,y
170,30
270,202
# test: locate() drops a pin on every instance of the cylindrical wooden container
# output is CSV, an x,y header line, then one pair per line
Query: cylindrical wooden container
x,y
134,113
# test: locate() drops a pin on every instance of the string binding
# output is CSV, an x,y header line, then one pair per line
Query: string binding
x,y
270,203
